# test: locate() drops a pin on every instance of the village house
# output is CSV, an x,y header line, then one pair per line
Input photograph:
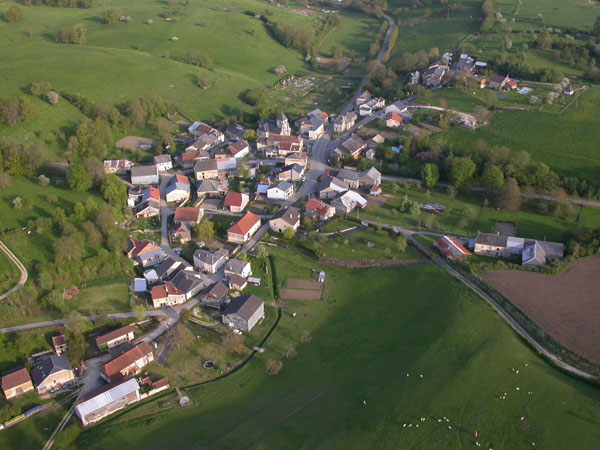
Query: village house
x,y
344,122
236,202
128,363
235,132
180,233
348,201
238,149
115,337
210,262
59,344
147,209
237,283
138,194
51,373
313,125
188,215
285,218
280,191
280,146
498,81
206,169
414,77
102,402
370,177
144,175
145,253
297,158
368,108
177,188
244,312
316,209
528,252
16,382
198,129
267,127
189,158
243,230
433,76
117,166
238,267
166,295
188,282
163,162
451,249
291,173
208,189
204,143
169,266
227,167
350,177
351,147
331,187
393,120
216,297
364,97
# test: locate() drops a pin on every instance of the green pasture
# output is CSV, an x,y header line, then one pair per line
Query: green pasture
x,y
128,60
9,274
557,14
102,296
567,142
358,380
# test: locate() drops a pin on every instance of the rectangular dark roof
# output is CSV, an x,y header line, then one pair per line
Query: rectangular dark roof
x,y
496,240
244,306
112,335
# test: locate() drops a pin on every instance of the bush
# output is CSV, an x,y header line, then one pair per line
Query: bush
x,y
274,367
14,14
52,97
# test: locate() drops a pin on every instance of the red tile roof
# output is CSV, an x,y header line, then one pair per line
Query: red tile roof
x,y
160,383
15,377
451,248
143,247
186,214
313,204
58,340
154,193
189,156
394,116
112,335
237,147
182,179
244,224
233,199
126,359
163,291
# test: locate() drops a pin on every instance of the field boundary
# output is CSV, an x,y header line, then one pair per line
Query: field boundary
x,y
366,263
24,275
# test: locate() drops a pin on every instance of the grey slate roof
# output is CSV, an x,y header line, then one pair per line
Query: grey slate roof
x,y
207,186
289,215
205,165
244,306
49,365
346,174
496,240
143,171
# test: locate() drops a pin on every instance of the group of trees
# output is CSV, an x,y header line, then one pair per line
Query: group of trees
x,y
15,110
110,16
415,61
489,18
86,4
199,59
292,36
13,14
76,35
20,159
371,7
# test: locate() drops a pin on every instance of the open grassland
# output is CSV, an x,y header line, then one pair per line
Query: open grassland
x,y
557,13
35,247
348,387
566,306
102,296
466,215
128,60
422,33
9,274
568,142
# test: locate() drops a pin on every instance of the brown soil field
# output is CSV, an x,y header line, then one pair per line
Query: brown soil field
x,y
300,294
566,306
305,284
133,142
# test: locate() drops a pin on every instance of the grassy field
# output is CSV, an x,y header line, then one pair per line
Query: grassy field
x,y
103,296
365,244
130,60
9,274
348,387
466,216
568,142
35,247
574,13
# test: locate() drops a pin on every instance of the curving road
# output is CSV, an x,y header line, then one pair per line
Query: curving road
x,y
20,266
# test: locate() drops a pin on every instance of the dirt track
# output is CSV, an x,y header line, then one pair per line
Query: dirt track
x,y
566,306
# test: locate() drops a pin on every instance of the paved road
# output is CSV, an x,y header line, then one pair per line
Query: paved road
x,y
20,266
507,317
